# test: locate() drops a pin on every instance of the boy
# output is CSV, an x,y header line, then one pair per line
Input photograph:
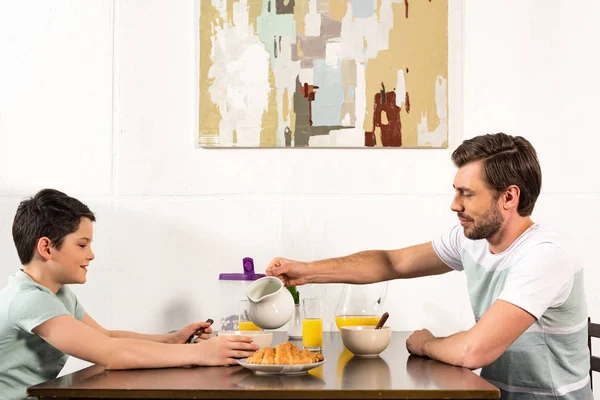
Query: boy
x,y
41,321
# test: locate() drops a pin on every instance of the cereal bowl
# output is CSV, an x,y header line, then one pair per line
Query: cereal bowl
x,y
366,341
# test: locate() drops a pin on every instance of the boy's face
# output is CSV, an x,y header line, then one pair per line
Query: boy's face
x,y
69,264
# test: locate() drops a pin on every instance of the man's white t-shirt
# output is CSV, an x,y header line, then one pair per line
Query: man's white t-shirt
x,y
541,274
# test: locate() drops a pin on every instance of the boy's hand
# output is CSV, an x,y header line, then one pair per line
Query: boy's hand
x,y
181,336
225,350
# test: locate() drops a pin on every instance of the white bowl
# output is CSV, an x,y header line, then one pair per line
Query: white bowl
x,y
261,338
366,341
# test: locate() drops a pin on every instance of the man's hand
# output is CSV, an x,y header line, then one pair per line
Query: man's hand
x,y
181,336
225,350
416,342
292,273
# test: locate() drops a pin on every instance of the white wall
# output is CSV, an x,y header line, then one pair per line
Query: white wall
x,y
98,99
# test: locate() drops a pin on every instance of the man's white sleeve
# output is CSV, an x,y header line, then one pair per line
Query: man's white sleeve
x,y
449,247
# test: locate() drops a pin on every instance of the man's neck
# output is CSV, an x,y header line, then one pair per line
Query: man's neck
x,y
509,233
39,273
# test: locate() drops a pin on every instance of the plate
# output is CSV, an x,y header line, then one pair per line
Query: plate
x,y
291,369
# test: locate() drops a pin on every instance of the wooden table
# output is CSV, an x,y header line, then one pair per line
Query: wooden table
x,y
393,375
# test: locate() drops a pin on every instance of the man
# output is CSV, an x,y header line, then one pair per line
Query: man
x,y
42,322
525,284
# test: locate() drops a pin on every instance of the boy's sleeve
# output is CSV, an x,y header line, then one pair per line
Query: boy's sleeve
x,y
32,308
540,280
73,303
79,310
448,247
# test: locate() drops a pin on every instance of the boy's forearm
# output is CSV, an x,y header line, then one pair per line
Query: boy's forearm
x,y
127,353
140,336
363,267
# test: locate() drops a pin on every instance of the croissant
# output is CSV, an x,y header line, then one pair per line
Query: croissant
x,y
284,354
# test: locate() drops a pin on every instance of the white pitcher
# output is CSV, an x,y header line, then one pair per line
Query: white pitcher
x,y
271,304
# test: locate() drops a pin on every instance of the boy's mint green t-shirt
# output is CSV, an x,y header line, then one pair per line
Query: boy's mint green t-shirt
x,y
25,358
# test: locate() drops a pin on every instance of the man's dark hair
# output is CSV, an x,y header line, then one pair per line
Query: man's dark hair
x,y
507,160
50,214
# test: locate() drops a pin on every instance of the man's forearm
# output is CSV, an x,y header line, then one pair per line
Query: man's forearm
x,y
141,336
455,350
364,267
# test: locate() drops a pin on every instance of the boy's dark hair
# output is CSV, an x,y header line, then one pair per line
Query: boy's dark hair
x,y
49,213
507,160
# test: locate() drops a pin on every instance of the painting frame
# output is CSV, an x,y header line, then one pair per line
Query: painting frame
x,y
453,27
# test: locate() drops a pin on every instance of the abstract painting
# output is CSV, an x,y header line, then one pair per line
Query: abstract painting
x,y
323,73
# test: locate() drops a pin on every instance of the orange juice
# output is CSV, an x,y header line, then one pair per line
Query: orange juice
x,y
248,326
356,320
312,333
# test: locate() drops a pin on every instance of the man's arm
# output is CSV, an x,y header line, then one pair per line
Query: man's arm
x,y
497,329
416,261
76,338
364,267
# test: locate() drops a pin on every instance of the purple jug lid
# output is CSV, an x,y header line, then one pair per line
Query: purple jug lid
x,y
248,274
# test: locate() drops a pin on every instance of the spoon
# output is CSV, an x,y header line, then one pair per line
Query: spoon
x,y
199,332
382,320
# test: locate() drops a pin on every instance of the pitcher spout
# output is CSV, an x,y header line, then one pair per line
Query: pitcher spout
x,y
253,300
263,288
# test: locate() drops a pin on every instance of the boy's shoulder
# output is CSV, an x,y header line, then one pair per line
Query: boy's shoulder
x,y
20,282
20,285
17,285
24,304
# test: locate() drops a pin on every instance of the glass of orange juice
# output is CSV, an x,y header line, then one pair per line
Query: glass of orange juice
x,y
312,324
245,324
